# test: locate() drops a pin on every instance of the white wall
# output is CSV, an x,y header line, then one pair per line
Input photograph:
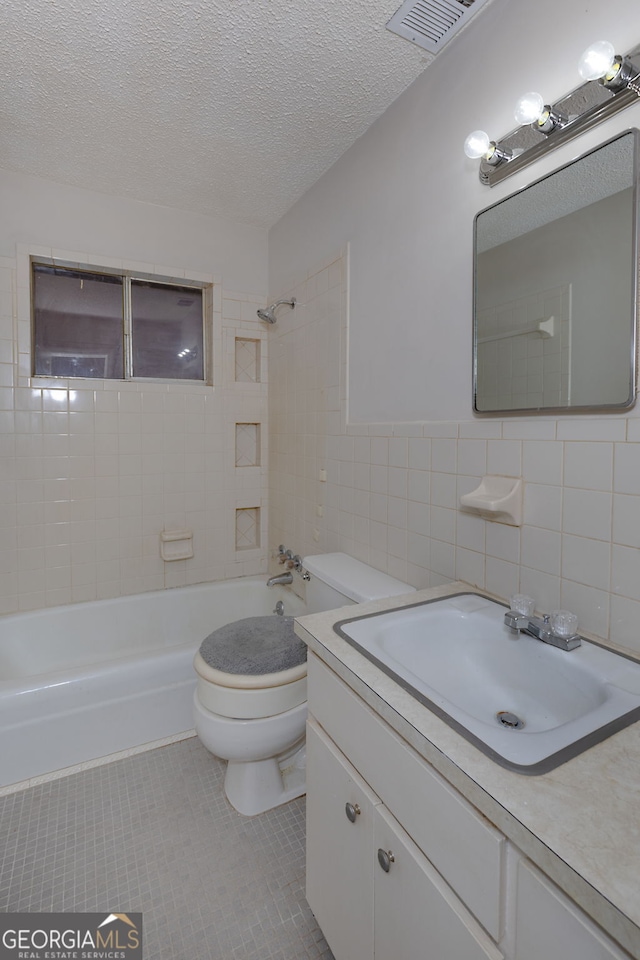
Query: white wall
x,y
388,493
307,356
38,211
405,195
406,445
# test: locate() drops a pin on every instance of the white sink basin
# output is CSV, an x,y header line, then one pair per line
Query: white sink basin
x,y
528,705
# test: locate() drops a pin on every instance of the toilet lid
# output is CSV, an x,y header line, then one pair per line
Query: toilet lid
x,y
255,646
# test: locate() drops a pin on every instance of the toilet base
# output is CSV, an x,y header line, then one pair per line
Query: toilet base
x,y
265,755
255,786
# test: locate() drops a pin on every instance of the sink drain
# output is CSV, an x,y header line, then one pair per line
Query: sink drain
x,y
509,720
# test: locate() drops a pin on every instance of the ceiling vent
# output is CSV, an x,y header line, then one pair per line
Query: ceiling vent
x,y
432,23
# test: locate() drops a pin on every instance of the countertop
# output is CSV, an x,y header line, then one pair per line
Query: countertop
x,y
580,823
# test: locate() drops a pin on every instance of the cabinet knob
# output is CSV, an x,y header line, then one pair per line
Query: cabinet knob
x,y
385,859
352,810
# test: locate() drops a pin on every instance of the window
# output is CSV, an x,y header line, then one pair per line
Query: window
x,y
97,324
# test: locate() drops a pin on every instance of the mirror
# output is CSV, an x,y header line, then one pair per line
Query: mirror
x,y
555,293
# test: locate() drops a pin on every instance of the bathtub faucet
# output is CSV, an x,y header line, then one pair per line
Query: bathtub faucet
x,y
282,578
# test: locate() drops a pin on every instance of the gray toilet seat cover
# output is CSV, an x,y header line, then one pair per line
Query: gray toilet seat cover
x,y
256,646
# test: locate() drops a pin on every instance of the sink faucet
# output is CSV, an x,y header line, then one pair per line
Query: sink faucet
x,y
558,629
282,578
516,621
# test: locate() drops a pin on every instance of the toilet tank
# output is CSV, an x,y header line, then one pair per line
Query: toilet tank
x,y
338,579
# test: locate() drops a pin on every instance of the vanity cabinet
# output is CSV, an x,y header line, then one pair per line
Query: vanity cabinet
x,y
366,878
400,866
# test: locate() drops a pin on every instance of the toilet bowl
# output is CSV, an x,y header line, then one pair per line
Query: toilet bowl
x,y
250,703
263,769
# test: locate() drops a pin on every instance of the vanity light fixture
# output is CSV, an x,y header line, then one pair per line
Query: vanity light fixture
x,y
478,144
600,62
617,87
529,108
532,109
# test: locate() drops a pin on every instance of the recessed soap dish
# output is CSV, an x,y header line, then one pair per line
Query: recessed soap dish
x,y
176,545
497,498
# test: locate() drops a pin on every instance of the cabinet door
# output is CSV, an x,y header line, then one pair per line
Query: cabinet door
x,y
417,915
549,925
339,849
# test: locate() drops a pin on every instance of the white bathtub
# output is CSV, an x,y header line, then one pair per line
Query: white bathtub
x,y
84,681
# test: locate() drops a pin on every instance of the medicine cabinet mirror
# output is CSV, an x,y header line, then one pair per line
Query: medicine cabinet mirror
x,y
555,288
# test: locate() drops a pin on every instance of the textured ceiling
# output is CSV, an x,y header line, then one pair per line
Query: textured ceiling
x,y
226,107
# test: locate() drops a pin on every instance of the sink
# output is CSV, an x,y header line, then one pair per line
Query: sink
x,y
527,705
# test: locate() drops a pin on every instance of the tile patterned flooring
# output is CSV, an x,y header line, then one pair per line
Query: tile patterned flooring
x,y
155,833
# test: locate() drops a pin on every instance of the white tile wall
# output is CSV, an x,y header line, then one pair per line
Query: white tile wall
x,y
395,504
307,353
92,471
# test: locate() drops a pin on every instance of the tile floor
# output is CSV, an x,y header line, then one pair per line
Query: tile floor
x,y
155,833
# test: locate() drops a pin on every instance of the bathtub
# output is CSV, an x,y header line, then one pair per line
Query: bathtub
x,y
84,681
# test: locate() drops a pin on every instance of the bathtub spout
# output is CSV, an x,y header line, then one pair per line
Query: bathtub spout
x,y
283,578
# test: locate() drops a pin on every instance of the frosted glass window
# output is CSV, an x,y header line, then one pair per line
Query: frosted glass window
x,y
78,324
114,326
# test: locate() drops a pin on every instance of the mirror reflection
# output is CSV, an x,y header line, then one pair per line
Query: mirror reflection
x,y
555,288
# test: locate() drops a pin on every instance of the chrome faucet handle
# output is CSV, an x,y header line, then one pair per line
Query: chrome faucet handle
x,y
295,563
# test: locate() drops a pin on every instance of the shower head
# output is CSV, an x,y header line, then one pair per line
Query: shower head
x,y
268,314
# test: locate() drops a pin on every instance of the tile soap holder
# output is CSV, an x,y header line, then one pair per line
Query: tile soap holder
x,y
176,544
497,498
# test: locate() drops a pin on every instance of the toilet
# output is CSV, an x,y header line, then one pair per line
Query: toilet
x,y
250,703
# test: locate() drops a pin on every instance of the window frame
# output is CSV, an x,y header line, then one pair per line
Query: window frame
x,y
127,277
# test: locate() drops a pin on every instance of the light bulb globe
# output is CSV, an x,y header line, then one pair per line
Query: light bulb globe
x,y
529,108
596,60
477,144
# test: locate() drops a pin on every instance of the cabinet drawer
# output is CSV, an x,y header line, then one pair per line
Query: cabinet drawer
x,y
549,925
460,843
